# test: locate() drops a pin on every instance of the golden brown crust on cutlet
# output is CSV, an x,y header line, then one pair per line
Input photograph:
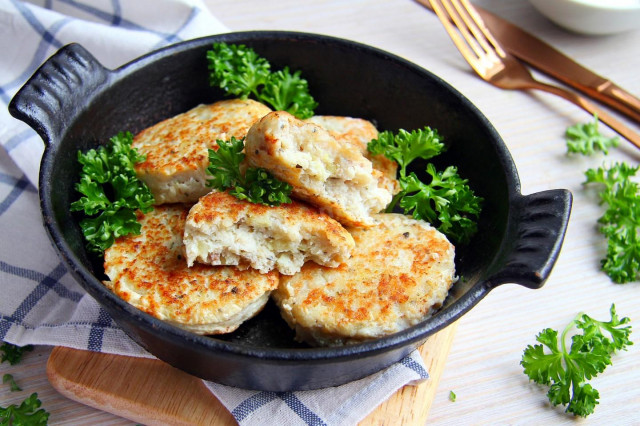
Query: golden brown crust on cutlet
x,y
398,274
150,272
176,149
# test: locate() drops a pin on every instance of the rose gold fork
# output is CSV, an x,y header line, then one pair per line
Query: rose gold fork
x,y
485,55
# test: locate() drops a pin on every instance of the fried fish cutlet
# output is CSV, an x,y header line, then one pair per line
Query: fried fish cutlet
x,y
176,149
149,271
223,230
399,273
323,172
359,132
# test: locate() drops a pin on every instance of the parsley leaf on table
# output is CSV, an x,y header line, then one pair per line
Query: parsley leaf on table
x,y
585,138
620,222
446,201
27,413
256,185
112,193
567,370
240,71
13,386
13,353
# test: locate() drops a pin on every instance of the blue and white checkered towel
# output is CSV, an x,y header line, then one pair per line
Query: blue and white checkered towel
x,y
41,303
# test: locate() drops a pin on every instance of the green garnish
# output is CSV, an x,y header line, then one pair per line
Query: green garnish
x,y
452,396
567,370
240,71
13,353
620,222
586,139
27,413
8,378
112,192
256,185
447,201
404,147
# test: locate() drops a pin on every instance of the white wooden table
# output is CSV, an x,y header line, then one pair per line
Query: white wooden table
x,y
483,367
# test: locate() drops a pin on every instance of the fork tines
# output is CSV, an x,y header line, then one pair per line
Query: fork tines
x,y
477,45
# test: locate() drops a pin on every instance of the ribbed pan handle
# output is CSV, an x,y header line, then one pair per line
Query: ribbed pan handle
x,y
57,91
536,239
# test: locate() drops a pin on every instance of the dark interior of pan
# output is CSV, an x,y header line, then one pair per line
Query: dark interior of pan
x,y
75,104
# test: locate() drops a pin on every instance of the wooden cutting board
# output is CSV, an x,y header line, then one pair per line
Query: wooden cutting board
x,y
150,391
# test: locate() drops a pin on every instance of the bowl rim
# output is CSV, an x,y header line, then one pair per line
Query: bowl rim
x,y
597,5
609,5
587,18
165,330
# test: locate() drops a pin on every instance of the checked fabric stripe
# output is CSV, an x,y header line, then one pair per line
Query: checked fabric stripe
x,y
115,31
40,303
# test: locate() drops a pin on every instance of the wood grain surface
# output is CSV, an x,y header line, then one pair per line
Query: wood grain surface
x,y
149,391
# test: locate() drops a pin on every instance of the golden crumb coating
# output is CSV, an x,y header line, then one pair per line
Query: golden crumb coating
x,y
359,132
223,230
176,149
150,272
399,273
322,171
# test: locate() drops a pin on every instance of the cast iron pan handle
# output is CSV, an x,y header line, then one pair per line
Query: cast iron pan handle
x,y
537,236
58,90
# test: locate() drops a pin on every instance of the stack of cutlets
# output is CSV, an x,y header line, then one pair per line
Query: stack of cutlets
x,y
339,270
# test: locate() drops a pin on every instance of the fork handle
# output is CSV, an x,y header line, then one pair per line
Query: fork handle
x,y
583,103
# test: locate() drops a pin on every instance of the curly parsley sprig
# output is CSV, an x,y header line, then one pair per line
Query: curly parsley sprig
x,y
404,147
620,194
112,192
566,370
27,413
240,71
12,353
586,139
620,223
446,201
255,185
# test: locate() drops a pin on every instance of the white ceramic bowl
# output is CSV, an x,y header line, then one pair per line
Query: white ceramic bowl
x,y
592,17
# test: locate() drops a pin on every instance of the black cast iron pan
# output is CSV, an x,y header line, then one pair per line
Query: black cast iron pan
x,y
74,103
